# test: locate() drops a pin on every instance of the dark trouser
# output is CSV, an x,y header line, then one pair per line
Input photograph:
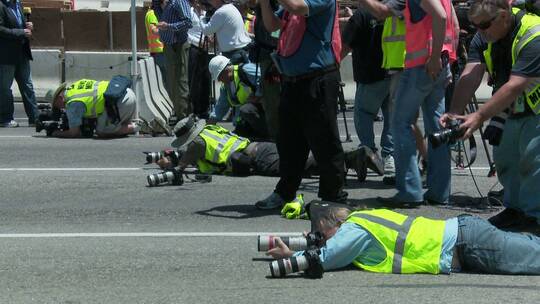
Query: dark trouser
x,y
21,72
251,122
176,57
485,249
270,92
237,56
159,60
307,121
199,81
266,161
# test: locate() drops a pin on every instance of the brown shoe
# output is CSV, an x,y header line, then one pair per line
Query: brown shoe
x,y
356,160
374,161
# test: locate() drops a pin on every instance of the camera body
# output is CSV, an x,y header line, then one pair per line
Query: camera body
x,y
51,119
447,135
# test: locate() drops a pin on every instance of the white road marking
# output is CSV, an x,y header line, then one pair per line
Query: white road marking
x,y
71,169
144,234
136,169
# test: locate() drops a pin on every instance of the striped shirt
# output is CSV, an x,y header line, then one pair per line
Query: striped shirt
x,y
177,14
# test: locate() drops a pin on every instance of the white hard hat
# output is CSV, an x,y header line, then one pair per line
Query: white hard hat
x,y
216,66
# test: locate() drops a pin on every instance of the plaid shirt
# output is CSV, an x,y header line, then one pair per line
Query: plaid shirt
x,y
176,13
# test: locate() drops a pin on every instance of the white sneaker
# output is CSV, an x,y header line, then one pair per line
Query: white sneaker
x,y
10,124
389,166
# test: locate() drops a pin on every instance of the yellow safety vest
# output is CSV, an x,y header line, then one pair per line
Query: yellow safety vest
x,y
237,91
393,43
220,144
529,30
154,43
412,244
90,93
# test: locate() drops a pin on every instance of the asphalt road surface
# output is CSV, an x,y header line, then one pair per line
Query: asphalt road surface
x,y
79,225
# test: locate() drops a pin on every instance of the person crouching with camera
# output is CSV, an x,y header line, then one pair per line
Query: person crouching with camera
x,y
111,108
507,45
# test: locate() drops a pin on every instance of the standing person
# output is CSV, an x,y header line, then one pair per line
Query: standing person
x,y
430,39
198,74
372,85
308,55
507,45
155,46
264,44
231,35
15,56
174,22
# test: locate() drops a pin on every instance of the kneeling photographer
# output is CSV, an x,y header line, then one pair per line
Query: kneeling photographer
x,y
109,106
507,45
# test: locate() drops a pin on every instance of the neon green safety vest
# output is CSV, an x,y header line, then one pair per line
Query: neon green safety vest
x,y
90,92
412,244
154,43
220,144
393,43
238,92
529,29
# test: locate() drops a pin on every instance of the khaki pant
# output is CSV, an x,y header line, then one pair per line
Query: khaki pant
x,y
176,60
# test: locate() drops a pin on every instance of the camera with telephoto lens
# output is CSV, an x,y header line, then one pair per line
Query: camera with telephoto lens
x,y
51,119
310,263
447,135
153,157
168,177
311,241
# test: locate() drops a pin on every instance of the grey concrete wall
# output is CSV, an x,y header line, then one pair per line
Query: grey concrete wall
x,y
46,70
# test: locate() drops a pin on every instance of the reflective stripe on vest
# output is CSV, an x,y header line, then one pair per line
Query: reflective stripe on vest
x,y
89,92
154,43
237,92
220,144
529,30
418,37
393,43
412,244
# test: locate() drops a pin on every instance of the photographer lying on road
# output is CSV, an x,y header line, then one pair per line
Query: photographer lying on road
x,y
214,149
388,242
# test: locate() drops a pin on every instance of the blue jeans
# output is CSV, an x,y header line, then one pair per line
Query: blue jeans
x,y
485,249
518,164
368,100
416,89
22,74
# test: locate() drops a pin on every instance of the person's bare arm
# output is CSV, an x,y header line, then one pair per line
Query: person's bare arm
x,y
271,22
468,83
378,9
498,102
435,9
295,7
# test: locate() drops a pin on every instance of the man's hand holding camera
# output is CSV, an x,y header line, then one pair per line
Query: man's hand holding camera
x,y
281,251
469,123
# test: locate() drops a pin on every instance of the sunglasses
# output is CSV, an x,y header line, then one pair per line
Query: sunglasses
x,y
484,25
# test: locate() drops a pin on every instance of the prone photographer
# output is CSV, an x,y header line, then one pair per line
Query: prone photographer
x,y
508,47
384,241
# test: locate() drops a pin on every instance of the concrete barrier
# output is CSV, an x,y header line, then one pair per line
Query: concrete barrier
x,y
47,70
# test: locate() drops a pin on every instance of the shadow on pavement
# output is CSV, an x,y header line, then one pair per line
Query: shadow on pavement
x,y
237,212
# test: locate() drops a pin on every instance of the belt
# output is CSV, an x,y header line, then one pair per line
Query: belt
x,y
310,75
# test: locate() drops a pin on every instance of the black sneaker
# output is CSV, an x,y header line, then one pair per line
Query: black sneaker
x,y
507,218
392,202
